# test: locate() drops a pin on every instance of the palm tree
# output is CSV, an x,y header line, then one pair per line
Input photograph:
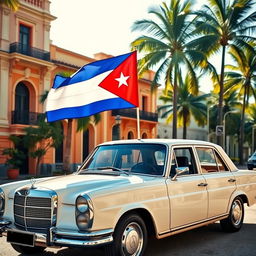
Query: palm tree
x,y
224,23
242,78
188,106
12,4
167,45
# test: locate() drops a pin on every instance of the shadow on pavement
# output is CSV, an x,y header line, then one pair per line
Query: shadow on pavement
x,y
205,241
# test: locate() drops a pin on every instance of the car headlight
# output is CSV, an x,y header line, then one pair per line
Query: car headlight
x,y
2,202
84,212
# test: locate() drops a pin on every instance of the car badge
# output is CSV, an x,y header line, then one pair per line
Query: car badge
x,y
33,181
26,192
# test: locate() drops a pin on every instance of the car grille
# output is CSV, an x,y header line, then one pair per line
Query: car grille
x,y
35,210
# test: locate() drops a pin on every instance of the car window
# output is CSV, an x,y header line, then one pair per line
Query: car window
x,y
135,158
210,160
183,157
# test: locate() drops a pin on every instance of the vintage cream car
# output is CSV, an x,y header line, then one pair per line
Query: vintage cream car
x,y
124,192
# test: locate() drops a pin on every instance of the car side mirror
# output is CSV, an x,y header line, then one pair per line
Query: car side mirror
x,y
180,171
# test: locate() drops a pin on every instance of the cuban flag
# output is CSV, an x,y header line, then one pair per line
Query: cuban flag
x,y
99,86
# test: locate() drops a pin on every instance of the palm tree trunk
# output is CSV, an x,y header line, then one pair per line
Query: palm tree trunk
x,y
241,140
175,100
66,162
185,126
220,106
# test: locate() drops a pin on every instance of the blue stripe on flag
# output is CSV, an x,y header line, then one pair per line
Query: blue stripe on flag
x,y
87,110
90,70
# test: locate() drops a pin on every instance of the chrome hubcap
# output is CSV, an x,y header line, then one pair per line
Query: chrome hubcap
x,y
237,212
132,239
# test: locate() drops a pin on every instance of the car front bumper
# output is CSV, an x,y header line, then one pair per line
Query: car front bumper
x,y
60,237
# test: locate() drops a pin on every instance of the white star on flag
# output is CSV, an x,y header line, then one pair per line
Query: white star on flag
x,y
122,80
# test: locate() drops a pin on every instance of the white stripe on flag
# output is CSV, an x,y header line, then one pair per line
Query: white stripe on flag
x,y
79,94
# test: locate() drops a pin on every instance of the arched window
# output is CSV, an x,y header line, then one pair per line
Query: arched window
x,y
21,113
116,132
130,136
144,136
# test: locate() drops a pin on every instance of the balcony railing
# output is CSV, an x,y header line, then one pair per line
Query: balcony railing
x,y
130,112
37,3
30,51
24,117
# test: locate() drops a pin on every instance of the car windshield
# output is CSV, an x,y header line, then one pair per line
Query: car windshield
x,y
146,159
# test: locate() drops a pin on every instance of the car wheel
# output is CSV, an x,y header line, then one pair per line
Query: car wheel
x,y
236,216
250,167
26,249
130,237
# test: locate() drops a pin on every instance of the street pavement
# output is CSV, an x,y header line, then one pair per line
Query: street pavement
x,y
205,241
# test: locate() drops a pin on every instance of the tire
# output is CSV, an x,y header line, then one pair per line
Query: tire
x,y
26,249
130,237
235,219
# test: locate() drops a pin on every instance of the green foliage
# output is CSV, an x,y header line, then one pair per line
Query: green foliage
x,y
15,156
43,136
188,105
12,4
169,44
39,139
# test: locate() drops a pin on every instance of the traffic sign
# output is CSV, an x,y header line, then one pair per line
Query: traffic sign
x,y
219,130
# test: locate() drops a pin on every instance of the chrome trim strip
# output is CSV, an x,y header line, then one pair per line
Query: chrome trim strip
x,y
193,225
68,242
31,218
64,232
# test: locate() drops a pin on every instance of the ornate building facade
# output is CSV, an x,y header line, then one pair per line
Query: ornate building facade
x,y
28,65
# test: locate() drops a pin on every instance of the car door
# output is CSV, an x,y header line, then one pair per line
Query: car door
x,y
220,181
187,193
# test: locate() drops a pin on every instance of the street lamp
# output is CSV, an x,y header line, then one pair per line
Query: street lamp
x,y
224,124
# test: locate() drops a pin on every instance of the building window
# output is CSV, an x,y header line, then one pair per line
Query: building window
x,y
116,132
59,151
144,136
130,136
144,103
21,104
85,144
24,40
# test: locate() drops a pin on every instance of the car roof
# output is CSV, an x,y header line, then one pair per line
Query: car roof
x,y
170,142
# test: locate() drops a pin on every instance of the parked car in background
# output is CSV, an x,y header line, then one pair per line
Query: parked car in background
x,y
251,163
124,192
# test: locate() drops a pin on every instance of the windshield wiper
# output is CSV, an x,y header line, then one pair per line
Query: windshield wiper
x,y
112,168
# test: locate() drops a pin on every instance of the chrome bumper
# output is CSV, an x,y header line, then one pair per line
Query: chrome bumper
x,y
61,237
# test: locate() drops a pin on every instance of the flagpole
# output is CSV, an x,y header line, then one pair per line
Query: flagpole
x,y
138,122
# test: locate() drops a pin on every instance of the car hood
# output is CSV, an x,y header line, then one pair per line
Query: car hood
x,y
68,187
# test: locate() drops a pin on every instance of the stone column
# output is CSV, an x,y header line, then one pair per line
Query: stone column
x,y
5,38
4,82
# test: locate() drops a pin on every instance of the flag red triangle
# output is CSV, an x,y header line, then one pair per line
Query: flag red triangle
x,y
123,80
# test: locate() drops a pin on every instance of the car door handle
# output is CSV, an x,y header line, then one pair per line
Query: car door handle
x,y
231,180
202,184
